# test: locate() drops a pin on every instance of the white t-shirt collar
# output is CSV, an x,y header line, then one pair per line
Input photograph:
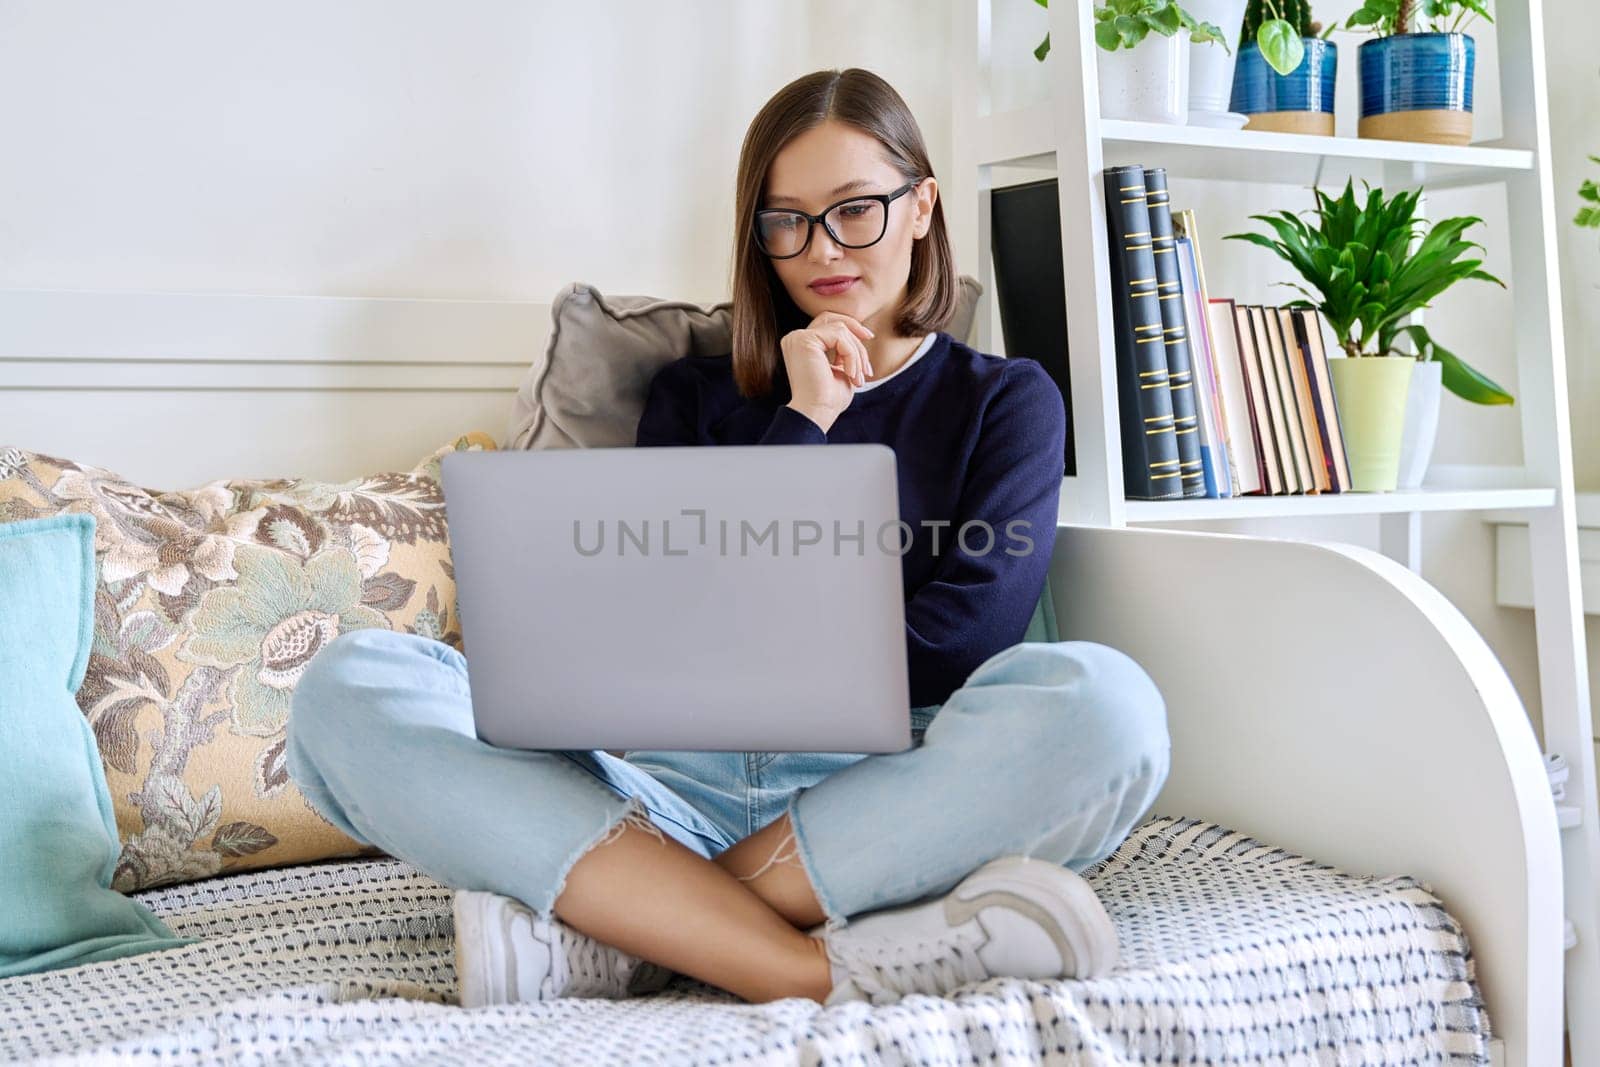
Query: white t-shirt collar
x,y
927,343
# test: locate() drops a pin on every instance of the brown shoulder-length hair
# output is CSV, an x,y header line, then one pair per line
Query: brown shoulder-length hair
x,y
762,309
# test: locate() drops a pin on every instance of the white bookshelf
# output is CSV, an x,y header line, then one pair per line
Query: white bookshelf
x,y
1065,137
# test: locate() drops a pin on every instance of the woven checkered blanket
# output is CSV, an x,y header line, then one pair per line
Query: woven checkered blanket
x,y
1233,951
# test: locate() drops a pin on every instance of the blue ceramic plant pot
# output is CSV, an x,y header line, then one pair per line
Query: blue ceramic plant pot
x,y
1417,87
1298,102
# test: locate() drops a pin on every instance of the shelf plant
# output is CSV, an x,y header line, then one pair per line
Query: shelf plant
x,y
1374,264
1143,57
1389,18
1369,267
1285,76
1126,23
1416,74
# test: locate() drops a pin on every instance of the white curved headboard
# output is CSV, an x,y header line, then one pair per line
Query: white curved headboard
x,y
1325,699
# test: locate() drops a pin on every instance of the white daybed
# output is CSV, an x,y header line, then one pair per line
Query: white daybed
x,y
1321,699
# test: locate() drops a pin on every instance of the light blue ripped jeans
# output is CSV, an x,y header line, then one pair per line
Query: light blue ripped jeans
x,y
1054,749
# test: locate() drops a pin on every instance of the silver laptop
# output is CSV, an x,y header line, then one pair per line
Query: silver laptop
x,y
734,598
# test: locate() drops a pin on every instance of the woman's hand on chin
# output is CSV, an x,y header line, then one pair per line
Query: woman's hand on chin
x,y
826,361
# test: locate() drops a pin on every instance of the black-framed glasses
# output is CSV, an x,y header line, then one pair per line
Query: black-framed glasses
x,y
858,222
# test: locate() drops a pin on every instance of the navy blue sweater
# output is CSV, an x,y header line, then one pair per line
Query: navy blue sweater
x,y
975,437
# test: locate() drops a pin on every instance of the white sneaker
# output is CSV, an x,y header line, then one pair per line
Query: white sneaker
x,y
1012,917
505,954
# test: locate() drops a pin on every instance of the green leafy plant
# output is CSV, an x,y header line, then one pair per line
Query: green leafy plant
x,y
1278,28
1589,213
1126,23
1374,264
1386,18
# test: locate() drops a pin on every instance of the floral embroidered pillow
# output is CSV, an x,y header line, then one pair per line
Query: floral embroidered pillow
x,y
209,604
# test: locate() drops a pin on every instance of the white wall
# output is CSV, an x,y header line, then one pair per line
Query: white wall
x,y
347,153
484,149
498,149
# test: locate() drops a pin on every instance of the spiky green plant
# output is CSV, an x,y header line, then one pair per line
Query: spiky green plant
x,y
1372,265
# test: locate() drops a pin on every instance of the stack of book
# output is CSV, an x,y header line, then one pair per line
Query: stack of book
x,y
1217,399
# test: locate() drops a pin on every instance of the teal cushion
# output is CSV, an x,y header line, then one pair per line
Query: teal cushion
x,y
1042,627
57,831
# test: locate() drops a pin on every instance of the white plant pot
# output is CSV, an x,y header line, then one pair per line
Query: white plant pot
x,y
1210,65
1149,83
1422,423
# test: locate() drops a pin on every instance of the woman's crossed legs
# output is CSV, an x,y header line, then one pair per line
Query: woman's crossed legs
x,y
1053,750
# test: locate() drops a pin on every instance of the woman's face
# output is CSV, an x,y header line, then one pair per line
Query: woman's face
x,y
817,169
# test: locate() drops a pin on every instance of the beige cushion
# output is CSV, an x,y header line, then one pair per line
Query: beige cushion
x,y
587,389
209,603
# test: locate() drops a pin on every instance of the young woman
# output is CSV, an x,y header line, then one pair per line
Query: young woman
x,y
821,875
